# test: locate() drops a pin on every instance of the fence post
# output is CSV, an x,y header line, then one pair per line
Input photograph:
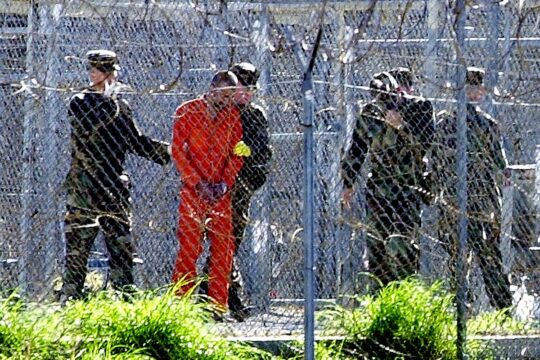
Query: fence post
x,y
27,186
348,262
537,194
492,44
430,53
50,15
429,249
492,76
309,266
461,265
309,270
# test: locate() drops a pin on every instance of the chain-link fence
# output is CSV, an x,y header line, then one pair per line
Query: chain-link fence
x,y
394,175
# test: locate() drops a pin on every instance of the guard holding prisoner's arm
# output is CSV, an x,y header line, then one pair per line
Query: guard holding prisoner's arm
x,y
103,132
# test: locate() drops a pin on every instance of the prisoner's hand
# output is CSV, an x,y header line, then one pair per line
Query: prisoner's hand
x,y
218,191
204,191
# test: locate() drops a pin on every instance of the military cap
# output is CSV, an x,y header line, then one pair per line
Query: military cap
x,y
403,75
246,73
475,76
104,60
383,82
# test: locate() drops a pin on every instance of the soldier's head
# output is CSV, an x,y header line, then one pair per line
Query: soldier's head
x,y
102,66
222,89
476,91
383,88
247,75
405,79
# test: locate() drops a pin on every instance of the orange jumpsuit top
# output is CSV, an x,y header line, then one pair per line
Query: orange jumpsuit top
x,y
202,146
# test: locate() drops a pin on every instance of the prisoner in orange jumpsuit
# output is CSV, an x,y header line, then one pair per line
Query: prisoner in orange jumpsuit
x,y
206,131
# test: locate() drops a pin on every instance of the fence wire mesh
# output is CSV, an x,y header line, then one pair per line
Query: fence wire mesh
x,y
386,141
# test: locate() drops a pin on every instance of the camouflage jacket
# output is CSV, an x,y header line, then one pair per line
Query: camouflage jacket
x,y
486,158
256,136
396,154
103,131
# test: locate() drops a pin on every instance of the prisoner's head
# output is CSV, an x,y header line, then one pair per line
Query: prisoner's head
x,y
222,89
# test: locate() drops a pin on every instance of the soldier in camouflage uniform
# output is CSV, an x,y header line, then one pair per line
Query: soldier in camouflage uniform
x,y
395,131
103,133
253,174
486,163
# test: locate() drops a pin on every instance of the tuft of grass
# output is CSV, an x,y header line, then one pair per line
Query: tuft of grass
x,y
406,319
327,350
499,323
145,326
27,331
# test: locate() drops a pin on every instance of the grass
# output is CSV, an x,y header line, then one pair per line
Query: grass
x,y
405,320
149,326
500,323
410,319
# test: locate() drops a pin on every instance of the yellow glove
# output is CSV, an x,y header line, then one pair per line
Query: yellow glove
x,y
241,149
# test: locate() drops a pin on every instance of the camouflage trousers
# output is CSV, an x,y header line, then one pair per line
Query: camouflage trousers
x,y
483,241
82,227
392,237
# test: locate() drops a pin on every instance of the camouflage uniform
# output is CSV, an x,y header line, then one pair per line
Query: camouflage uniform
x,y
103,132
251,177
486,162
396,185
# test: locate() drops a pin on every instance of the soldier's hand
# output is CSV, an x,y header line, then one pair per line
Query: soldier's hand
x,y
242,149
346,197
394,119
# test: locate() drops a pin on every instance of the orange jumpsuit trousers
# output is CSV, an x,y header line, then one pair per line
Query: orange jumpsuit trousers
x,y
195,218
202,149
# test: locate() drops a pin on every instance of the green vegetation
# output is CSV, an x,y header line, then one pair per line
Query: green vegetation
x,y
409,319
406,319
148,326
499,323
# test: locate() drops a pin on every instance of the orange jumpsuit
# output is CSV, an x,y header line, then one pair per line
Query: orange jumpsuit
x,y
202,149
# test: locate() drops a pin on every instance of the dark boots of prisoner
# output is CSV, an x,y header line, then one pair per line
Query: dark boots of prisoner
x,y
395,131
486,163
103,131
251,177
